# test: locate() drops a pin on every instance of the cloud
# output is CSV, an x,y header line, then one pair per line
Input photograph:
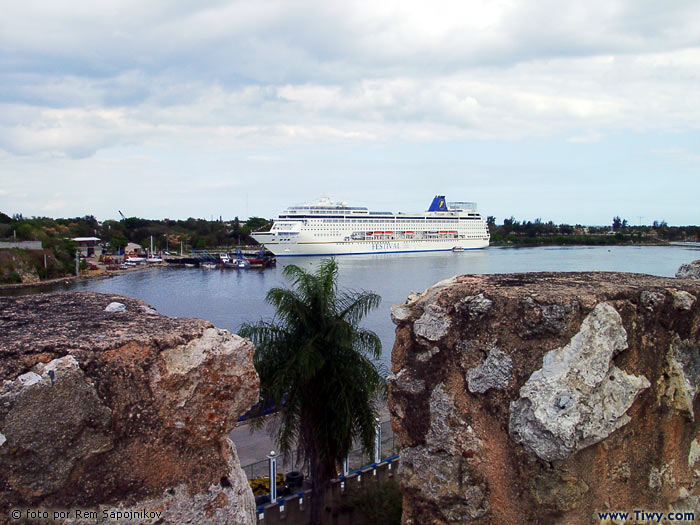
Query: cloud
x,y
140,84
600,94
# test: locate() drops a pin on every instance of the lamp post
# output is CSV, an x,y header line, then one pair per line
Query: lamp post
x,y
272,467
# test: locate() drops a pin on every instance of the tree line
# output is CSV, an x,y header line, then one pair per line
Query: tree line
x,y
56,235
166,234
512,231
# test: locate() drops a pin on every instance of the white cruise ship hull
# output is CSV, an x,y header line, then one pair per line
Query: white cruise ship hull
x,y
338,229
368,247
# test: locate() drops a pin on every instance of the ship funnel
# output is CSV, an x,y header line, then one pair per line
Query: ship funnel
x,y
438,204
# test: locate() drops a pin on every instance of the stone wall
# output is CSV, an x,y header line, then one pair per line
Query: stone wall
x,y
106,405
547,397
23,245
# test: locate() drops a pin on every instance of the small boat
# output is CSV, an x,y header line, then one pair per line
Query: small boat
x,y
240,262
190,265
154,259
208,266
262,260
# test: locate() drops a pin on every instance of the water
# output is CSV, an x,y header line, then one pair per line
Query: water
x,y
228,298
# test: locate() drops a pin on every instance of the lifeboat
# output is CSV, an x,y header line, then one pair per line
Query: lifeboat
x,y
410,233
443,232
389,233
370,233
379,233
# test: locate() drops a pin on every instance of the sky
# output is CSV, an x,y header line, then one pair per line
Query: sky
x,y
573,111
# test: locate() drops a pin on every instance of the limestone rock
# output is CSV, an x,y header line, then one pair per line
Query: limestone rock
x,y
426,355
448,431
693,453
115,307
444,482
683,300
400,313
433,324
578,397
689,271
49,444
679,385
404,383
546,318
590,383
475,306
130,411
651,300
495,372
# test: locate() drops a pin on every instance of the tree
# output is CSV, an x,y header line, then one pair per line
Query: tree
x,y
117,242
617,223
316,364
255,224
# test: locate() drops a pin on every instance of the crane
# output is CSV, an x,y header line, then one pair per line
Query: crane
x,y
120,213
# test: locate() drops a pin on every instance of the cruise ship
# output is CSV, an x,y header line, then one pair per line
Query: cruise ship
x,y
328,228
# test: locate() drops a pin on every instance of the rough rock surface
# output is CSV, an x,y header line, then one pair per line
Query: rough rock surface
x,y
578,397
545,397
124,409
689,271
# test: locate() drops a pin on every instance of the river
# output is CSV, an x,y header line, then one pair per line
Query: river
x,y
229,297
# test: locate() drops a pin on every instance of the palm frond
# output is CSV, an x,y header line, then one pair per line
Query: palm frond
x,y
354,306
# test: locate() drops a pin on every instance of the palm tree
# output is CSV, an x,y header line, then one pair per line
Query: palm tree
x,y
316,364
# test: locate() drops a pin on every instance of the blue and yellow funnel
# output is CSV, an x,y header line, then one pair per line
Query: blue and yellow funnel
x,y
438,204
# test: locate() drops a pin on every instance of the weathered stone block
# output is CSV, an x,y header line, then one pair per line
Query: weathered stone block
x,y
547,397
121,409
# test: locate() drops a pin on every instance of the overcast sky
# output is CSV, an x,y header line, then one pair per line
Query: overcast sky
x,y
571,111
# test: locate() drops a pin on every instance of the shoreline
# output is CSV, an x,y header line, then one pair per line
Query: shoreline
x,y
106,274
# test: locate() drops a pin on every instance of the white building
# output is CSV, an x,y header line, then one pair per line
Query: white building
x,y
89,246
